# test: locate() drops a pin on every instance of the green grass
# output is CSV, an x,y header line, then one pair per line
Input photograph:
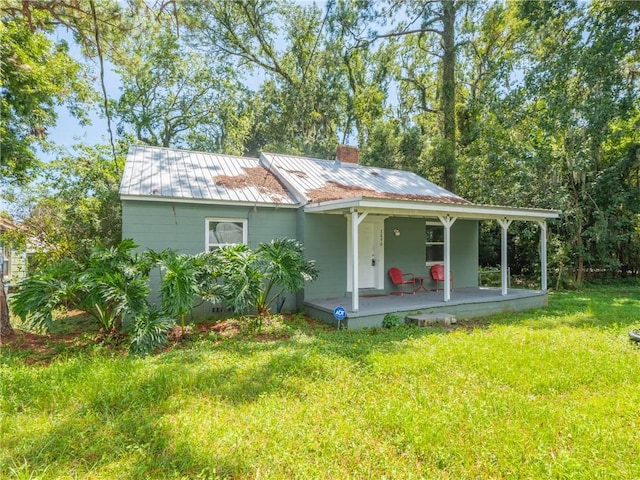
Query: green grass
x,y
553,393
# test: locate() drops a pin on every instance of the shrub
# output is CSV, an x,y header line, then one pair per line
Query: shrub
x,y
390,320
43,292
111,285
254,280
149,331
179,286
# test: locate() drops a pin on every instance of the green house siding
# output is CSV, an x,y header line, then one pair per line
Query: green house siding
x,y
182,227
407,251
325,241
464,253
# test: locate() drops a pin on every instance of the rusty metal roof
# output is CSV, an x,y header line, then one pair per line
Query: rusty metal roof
x,y
314,180
155,172
180,174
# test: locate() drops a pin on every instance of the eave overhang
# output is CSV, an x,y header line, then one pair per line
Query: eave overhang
x,y
416,208
204,201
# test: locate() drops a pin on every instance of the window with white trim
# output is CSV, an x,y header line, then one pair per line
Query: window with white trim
x,y
434,243
225,231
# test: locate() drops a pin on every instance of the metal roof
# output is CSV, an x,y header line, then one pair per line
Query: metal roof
x,y
179,174
315,180
322,186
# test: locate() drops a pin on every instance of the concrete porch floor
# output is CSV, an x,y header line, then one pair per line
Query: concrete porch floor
x,y
465,303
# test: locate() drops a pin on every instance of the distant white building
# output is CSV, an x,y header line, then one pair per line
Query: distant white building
x,y
13,262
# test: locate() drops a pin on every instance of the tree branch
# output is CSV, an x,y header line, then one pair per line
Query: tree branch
x,y
102,84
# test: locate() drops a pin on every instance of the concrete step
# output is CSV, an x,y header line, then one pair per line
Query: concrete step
x,y
428,319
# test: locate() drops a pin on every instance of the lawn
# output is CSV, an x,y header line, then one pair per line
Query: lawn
x,y
552,393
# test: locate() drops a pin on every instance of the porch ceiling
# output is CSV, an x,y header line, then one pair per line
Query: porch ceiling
x,y
416,208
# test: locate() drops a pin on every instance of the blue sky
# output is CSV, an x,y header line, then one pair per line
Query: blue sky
x,y
68,131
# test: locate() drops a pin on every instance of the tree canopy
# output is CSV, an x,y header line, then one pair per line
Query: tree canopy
x,y
533,103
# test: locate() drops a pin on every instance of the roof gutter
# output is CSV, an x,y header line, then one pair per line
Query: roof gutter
x,y
200,201
422,208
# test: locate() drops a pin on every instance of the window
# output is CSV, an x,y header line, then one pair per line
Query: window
x,y
434,243
225,231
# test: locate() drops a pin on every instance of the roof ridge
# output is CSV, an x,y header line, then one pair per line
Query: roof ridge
x,y
172,149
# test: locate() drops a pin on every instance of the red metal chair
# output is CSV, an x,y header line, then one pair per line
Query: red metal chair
x,y
402,279
437,273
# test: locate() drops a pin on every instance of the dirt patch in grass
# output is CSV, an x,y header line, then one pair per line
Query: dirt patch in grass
x,y
44,347
230,328
72,330
225,328
76,332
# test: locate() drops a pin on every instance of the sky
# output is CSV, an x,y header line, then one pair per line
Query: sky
x,y
68,131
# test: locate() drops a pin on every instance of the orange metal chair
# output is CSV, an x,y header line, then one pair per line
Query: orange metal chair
x,y
437,273
401,279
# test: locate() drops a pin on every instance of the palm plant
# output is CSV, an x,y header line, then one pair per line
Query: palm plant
x,y
254,280
284,269
45,291
113,285
179,284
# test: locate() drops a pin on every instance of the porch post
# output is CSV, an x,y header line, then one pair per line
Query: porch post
x,y
447,222
355,223
504,223
543,254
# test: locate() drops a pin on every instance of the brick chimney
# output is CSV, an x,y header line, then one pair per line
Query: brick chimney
x,y
347,154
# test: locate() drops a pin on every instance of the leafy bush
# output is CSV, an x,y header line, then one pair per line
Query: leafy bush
x,y
284,268
390,320
254,280
179,286
238,278
113,284
41,293
148,331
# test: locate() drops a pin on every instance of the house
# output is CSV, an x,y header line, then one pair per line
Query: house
x,y
355,221
13,262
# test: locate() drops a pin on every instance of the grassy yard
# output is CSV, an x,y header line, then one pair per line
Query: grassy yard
x,y
553,393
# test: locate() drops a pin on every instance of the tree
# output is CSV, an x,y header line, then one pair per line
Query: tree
x,y
74,205
431,26
173,96
36,74
299,107
583,90
6,329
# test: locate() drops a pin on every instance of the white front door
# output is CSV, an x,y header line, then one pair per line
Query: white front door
x,y
366,256
370,253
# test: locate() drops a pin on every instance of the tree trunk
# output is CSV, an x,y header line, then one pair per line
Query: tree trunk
x,y
579,243
448,102
6,330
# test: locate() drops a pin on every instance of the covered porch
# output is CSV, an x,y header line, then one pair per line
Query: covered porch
x,y
469,302
366,302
